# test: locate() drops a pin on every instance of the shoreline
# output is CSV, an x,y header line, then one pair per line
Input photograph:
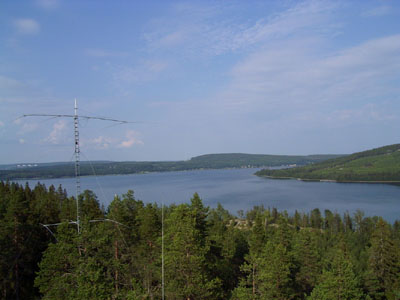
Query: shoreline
x,y
126,174
333,180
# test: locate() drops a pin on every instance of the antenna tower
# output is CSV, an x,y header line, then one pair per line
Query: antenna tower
x,y
76,118
77,164
162,253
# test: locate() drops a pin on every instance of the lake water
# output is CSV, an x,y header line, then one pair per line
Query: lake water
x,y
239,189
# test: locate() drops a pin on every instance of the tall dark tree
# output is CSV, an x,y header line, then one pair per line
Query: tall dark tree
x,y
338,281
185,255
307,261
382,278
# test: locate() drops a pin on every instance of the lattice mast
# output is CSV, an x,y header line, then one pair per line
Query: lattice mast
x,y
77,165
77,152
162,253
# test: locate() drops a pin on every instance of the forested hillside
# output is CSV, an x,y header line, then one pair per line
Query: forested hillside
x,y
210,161
209,253
380,164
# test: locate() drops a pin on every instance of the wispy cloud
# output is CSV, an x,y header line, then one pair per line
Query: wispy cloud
x,y
9,83
48,4
295,75
369,113
130,140
104,142
377,11
57,135
200,31
101,142
27,26
26,127
142,72
101,53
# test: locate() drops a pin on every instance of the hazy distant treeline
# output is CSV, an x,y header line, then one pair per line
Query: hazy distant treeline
x,y
210,161
208,253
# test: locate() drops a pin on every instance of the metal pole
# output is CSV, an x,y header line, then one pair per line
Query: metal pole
x,y
76,117
162,250
77,164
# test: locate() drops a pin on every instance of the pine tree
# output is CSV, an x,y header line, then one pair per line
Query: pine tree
x,y
57,277
307,261
249,285
382,278
148,251
185,254
275,272
222,260
338,280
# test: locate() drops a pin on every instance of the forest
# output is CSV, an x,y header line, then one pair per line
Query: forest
x,y
209,161
380,164
209,253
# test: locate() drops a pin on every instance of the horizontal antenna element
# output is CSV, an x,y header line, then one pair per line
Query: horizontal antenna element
x,y
76,118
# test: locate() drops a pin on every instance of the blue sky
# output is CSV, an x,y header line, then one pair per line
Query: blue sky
x,y
272,77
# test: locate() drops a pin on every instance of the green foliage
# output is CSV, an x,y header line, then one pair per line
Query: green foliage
x,y
307,260
381,164
275,272
209,253
383,273
57,278
338,280
186,248
210,161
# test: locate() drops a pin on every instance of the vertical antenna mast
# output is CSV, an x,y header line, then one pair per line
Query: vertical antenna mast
x,y
162,251
77,164
76,118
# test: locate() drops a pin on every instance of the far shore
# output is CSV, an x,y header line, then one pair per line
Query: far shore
x,y
332,180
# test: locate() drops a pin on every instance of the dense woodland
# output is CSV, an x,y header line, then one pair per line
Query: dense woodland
x,y
380,164
209,161
209,253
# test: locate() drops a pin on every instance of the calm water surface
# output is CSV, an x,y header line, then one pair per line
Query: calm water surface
x,y
239,189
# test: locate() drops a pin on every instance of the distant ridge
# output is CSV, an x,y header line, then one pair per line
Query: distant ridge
x,y
376,165
209,161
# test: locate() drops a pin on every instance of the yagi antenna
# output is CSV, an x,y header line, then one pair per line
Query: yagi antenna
x,y
76,118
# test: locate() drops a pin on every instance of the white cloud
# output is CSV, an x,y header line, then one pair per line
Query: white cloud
x,y
104,53
377,11
198,30
294,75
15,91
143,72
27,26
107,143
369,113
101,142
131,139
26,127
9,83
48,4
57,135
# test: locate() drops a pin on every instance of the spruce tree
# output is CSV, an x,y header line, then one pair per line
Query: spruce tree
x,y
275,272
382,277
338,280
185,255
307,261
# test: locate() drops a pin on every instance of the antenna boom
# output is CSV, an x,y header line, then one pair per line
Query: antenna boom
x,y
79,117
76,118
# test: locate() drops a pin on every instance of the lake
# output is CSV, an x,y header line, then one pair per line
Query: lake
x,y
239,189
